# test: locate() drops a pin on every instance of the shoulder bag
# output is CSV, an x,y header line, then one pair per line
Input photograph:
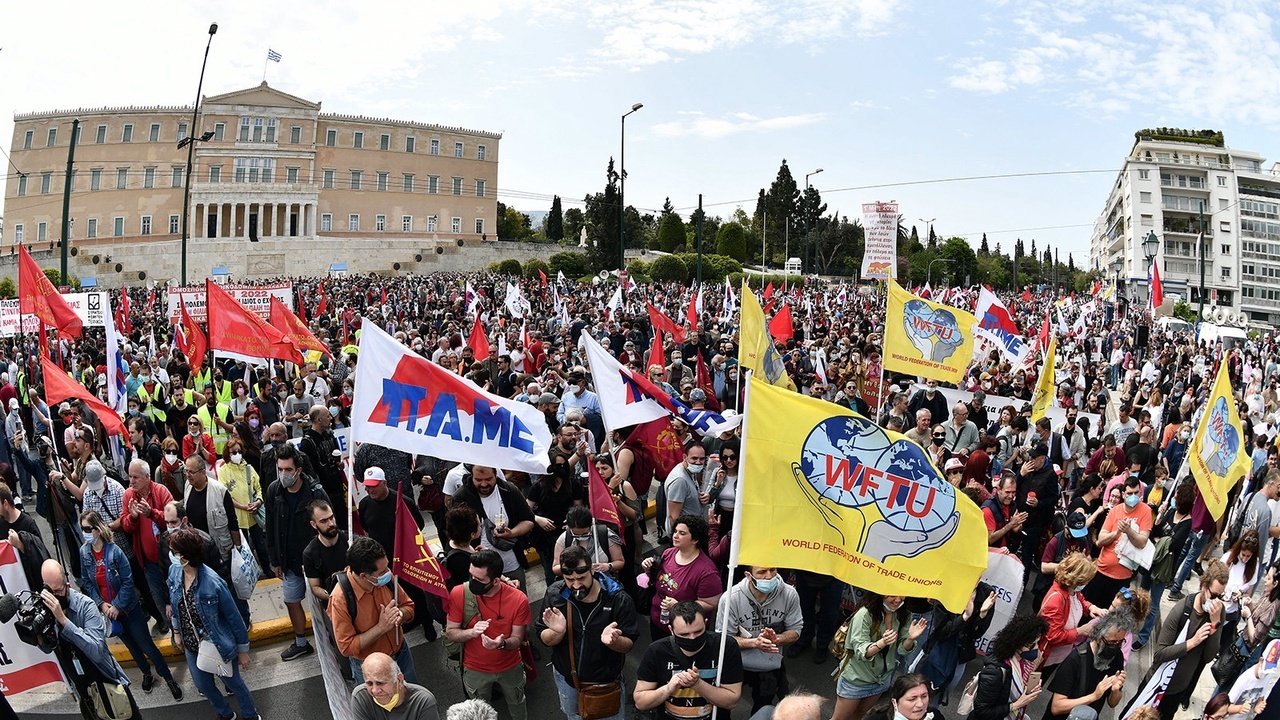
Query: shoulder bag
x,y
595,700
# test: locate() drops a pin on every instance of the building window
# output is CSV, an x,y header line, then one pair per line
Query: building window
x,y
52,139
182,130
42,232
1144,174
118,227
102,134
1226,249
1222,181
479,188
380,223
383,179
146,224
456,227
22,185
353,222
1224,225
122,178
328,179
244,129
91,230
175,222
433,184
271,130
1222,203
215,173
408,183
127,134
457,186
1144,197
219,130
241,170
291,175
295,134
435,147
17,234
28,139
253,170
384,142
358,141
406,223
408,144
331,138
326,222
46,183
154,135
355,179
177,177
1226,273
479,226
431,223
268,170
457,149
149,177
480,152
95,179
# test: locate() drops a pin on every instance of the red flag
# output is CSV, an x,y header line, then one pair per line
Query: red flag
x,y
657,448
235,329
657,356
58,386
704,381
478,341
293,329
602,506
1026,296
412,559
768,308
781,327
661,323
1157,286
125,310
768,291
543,276
1042,340
302,309
384,295
195,345
695,310
324,302
37,296
151,299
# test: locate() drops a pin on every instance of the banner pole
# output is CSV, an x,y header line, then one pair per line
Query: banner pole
x,y
723,619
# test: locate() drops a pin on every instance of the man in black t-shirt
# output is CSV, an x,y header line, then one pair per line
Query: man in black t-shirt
x,y
13,519
1093,674
326,554
680,677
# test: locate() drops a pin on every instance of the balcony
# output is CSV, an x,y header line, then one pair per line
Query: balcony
x,y
1187,227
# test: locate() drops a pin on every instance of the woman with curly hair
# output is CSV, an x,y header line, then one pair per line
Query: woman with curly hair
x,y
1002,682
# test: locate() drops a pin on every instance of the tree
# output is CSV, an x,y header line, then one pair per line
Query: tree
x,y
732,241
7,288
991,271
601,217
555,220
811,209
1034,254
983,250
1071,264
573,220
669,268
933,239
667,207
964,264
531,268
1048,257
670,233
572,264
776,206
513,224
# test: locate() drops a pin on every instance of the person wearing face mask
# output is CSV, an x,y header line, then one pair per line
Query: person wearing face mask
x,y
369,609
880,633
198,442
1092,676
590,624
1003,680
289,531
170,471
203,611
1065,609
215,418
489,618
686,485
152,398
681,675
763,614
1132,518
386,695
1190,634
244,487
320,446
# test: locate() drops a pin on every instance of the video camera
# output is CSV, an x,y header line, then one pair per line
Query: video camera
x,y
34,623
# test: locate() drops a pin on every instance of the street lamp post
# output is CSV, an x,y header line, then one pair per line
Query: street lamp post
x,y
928,280
191,148
929,224
808,233
1150,247
622,189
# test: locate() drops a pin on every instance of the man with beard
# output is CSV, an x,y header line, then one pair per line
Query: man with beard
x,y
379,518
1093,674
320,446
326,554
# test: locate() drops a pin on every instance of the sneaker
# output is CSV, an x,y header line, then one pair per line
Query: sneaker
x,y
148,682
796,650
175,689
295,651
161,629
232,716
1176,596
820,655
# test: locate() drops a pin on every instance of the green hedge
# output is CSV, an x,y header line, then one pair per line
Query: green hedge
x,y
531,268
714,267
669,268
510,266
572,264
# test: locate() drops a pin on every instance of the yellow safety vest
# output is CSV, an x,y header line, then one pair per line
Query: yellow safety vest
x,y
216,431
224,392
203,378
148,400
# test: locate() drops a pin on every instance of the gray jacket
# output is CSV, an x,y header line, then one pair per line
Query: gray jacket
x,y
87,631
744,617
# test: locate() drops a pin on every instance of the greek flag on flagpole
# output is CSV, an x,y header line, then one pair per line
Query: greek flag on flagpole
x,y
272,55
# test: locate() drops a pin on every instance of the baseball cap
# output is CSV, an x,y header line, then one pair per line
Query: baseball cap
x,y
698,394
13,403
1076,525
1271,656
64,408
1039,450
374,476
94,474
954,464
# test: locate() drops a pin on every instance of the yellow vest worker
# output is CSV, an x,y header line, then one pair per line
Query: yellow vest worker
x,y
216,431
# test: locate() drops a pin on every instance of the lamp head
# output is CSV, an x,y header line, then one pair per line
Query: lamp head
x,y
206,136
637,106
815,172
213,28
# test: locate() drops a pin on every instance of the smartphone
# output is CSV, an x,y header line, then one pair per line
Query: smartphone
x,y
1033,681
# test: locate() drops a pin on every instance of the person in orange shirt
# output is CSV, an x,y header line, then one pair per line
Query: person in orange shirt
x,y
1132,520
381,609
490,618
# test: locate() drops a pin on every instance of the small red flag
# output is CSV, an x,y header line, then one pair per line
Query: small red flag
x,y
235,329
768,291
781,327
195,344
657,448
324,302
125,311
602,506
291,325
412,559
543,276
151,299
37,296
58,386
1026,296
478,341
704,381
661,323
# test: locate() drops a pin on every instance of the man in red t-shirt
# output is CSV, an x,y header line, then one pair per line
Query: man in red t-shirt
x,y
491,634
999,514
1129,522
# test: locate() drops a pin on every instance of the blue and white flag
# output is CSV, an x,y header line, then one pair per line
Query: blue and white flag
x,y
272,55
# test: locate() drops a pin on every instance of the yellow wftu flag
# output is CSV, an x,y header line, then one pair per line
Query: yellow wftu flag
x,y
922,337
755,349
827,490
1045,387
1217,454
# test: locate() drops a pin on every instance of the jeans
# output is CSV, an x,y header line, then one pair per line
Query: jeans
x,y
403,658
569,699
137,638
156,582
23,471
1157,592
204,682
1194,546
820,608
480,685
766,685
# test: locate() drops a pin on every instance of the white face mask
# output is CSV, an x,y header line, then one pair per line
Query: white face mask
x,y
170,458
695,468
236,458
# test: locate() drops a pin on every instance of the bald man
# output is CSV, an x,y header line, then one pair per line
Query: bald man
x,y
796,706
386,696
81,627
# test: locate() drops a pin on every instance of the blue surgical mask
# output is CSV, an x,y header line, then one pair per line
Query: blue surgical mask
x,y
1031,655
767,586
88,536
1131,501
176,559
384,579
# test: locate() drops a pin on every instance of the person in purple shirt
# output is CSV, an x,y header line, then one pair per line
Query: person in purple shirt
x,y
1202,529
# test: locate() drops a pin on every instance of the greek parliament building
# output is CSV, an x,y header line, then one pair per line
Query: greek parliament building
x,y
278,188
1175,184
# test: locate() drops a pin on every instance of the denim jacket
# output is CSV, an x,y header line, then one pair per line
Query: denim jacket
x,y
119,577
216,608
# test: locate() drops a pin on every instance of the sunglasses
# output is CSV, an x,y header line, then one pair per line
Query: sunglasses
x,y
728,457
86,528
585,570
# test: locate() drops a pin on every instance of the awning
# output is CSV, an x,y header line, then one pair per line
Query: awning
x,y
338,267
88,282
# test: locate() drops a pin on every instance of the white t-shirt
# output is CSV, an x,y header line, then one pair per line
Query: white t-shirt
x,y
1249,687
493,512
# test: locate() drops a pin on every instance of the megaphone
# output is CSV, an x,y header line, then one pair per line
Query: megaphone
x,y
604,275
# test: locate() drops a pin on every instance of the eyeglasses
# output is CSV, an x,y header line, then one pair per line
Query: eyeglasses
x,y
584,570
86,528
728,457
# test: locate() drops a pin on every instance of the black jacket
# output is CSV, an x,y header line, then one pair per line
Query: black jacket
x,y
285,532
991,701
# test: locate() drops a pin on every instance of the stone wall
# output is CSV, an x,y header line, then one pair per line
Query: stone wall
x,y
272,257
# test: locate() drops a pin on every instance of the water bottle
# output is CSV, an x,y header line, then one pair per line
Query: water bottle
x,y
664,615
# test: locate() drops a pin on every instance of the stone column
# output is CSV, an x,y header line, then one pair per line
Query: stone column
x,y
282,216
311,219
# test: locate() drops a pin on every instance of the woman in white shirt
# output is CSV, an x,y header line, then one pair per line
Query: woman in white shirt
x,y
1242,565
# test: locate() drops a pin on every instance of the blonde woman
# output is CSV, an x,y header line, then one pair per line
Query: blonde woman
x,y
1064,607
245,488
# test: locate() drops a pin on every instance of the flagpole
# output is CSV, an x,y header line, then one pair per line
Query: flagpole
x,y
733,538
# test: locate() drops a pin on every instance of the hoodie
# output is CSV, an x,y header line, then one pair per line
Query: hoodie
x,y
746,618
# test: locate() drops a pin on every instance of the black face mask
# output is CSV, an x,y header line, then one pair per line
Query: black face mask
x,y
1109,650
691,645
479,588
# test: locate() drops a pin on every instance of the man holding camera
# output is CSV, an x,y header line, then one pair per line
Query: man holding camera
x,y
81,626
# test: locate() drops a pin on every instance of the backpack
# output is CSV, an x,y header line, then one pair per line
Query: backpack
x,y
470,609
837,641
1162,563
1236,528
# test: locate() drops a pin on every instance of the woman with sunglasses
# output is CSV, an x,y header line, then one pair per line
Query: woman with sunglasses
x,y
725,489
107,579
